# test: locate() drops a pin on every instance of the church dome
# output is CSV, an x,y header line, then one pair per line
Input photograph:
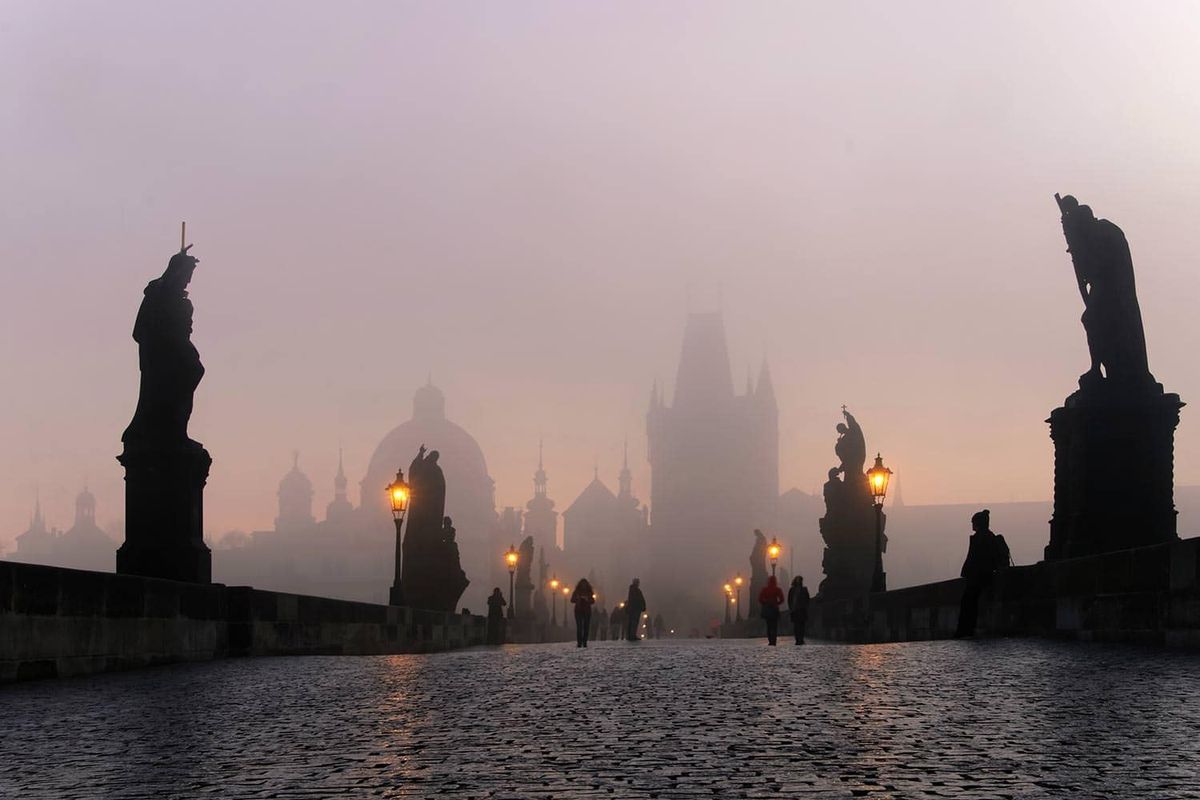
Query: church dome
x,y
295,498
469,488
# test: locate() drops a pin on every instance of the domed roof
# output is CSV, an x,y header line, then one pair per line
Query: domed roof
x,y
469,488
295,482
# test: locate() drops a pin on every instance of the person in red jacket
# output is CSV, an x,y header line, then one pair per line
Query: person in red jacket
x,y
770,599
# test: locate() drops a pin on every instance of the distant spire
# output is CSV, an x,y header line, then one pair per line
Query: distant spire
x,y
296,459
625,478
596,468
539,477
339,481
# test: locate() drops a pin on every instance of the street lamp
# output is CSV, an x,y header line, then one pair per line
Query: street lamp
x,y
773,551
398,493
878,477
737,581
554,601
728,595
566,599
511,557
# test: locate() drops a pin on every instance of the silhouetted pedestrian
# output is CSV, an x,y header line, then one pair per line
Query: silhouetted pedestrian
x,y
986,553
583,598
602,624
659,626
495,617
616,621
769,600
798,607
635,606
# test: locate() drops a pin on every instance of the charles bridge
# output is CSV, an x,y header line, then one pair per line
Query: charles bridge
x,y
985,718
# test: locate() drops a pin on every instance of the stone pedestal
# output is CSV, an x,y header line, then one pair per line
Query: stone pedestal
x,y
164,514
1113,469
850,558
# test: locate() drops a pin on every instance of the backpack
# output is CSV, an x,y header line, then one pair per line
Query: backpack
x,y
1003,554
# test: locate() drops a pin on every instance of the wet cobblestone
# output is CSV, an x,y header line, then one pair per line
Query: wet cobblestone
x,y
1000,719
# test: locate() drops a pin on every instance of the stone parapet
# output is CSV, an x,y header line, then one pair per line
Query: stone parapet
x,y
58,622
1146,594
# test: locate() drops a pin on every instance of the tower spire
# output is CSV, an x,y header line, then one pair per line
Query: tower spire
x,y
625,479
539,477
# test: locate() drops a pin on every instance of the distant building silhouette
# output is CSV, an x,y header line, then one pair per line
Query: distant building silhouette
x,y
714,458
350,553
36,544
84,546
295,500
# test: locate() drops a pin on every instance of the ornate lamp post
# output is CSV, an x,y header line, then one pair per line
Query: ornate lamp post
x,y
878,477
554,601
511,557
728,596
737,581
773,551
398,494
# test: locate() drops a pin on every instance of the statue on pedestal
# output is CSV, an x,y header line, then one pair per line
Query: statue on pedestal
x,y
758,574
1114,437
433,575
165,471
848,526
524,584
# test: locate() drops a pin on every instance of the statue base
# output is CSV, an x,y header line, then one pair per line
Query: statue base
x,y
164,513
1114,473
850,556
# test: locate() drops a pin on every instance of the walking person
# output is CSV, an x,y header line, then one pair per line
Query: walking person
x,y
769,600
583,598
495,617
986,553
635,606
616,621
798,607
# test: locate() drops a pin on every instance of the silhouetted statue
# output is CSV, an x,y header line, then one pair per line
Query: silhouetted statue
x,y
165,471
427,485
540,609
986,553
848,526
758,570
169,362
433,576
635,606
523,608
1111,319
851,446
1113,438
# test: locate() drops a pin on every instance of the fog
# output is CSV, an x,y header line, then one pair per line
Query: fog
x,y
522,201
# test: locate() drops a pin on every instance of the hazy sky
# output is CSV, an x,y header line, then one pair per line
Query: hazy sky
x,y
516,196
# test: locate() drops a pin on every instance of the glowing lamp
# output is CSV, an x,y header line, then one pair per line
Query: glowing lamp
x,y
511,557
566,591
398,495
554,584
773,551
728,589
878,477
738,579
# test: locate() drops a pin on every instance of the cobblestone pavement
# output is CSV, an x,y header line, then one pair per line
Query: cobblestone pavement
x,y
710,719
